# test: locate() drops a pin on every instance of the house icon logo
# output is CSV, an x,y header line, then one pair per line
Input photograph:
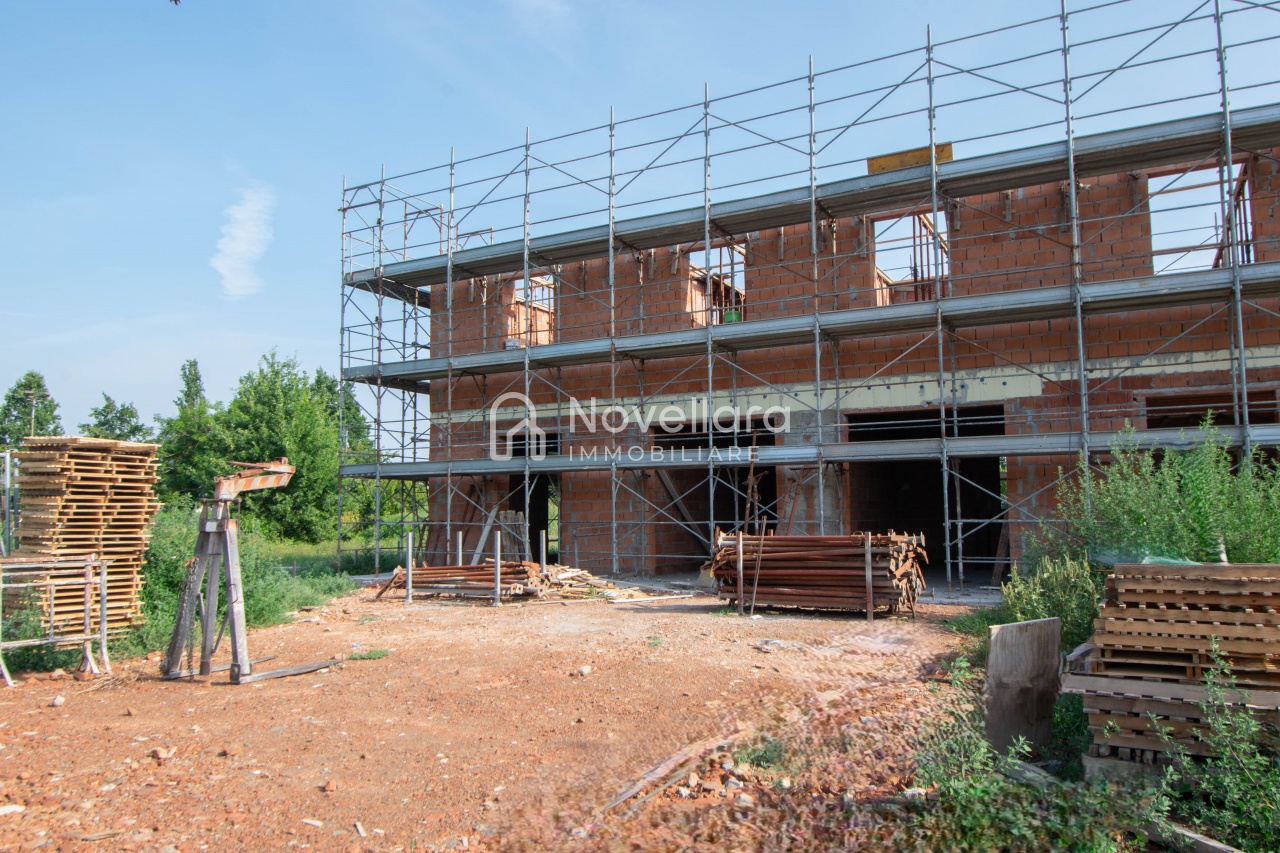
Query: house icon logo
x,y
522,438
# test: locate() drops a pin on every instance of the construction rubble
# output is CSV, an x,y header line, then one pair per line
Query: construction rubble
x,y
519,579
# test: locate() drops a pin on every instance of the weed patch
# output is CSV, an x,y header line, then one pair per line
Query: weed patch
x,y
767,755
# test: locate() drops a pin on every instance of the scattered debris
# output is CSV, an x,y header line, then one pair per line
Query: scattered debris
x,y
521,579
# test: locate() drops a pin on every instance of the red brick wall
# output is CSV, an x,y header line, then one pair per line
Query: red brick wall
x,y
1022,238
1014,239
1264,202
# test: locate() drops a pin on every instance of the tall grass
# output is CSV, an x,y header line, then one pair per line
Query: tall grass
x,y
322,557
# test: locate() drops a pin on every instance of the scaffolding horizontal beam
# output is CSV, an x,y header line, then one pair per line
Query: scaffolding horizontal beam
x,y
958,312
1026,444
420,299
1142,147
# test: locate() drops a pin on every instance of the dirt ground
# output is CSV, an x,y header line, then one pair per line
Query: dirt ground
x,y
475,714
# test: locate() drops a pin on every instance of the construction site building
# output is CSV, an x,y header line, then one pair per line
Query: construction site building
x,y
909,293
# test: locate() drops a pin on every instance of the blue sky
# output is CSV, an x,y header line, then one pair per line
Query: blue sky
x,y
138,135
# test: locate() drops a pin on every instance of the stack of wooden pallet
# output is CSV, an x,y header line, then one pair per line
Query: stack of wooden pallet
x,y
82,496
1152,644
861,571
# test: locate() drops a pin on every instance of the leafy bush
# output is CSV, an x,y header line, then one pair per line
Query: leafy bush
x,y
24,620
173,543
1234,795
1070,734
977,808
1181,504
371,654
994,813
1064,587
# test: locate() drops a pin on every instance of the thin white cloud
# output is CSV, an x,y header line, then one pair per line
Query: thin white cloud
x,y
245,237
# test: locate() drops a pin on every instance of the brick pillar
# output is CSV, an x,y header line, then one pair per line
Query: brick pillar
x,y
801,484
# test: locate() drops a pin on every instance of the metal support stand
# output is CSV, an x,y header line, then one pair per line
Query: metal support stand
x,y
217,546
408,571
47,576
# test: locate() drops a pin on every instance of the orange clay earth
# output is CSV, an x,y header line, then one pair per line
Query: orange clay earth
x,y
475,717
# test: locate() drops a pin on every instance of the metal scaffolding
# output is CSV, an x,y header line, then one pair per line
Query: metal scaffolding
x,y
1030,103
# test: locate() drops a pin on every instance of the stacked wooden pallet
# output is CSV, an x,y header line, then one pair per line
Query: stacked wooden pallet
x,y
1152,644
1120,714
861,571
83,496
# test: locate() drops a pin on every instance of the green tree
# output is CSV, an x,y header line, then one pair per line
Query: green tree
x,y
16,413
278,411
115,420
339,399
355,445
193,442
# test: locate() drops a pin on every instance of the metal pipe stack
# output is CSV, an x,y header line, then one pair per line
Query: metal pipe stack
x,y
824,572
520,579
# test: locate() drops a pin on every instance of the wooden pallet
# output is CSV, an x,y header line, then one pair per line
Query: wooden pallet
x,y
82,496
1152,646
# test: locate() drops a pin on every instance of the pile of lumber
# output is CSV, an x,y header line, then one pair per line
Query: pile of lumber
x,y
861,571
520,579
82,497
568,582
1151,648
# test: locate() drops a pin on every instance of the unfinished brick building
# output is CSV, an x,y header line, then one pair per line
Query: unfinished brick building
x,y
783,326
